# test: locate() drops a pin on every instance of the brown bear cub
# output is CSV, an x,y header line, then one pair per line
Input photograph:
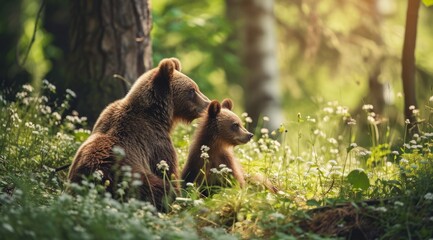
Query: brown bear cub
x,y
218,132
140,125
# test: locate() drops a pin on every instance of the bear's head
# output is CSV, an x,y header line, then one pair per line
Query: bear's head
x,y
188,101
229,127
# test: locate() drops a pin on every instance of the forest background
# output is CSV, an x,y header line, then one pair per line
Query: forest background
x,y
338,93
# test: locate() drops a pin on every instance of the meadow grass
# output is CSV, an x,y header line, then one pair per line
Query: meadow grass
x,y
314,161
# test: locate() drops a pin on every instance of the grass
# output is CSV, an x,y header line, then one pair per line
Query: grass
x,y
322,174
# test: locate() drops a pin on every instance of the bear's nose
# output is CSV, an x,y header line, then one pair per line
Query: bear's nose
x,y
250,135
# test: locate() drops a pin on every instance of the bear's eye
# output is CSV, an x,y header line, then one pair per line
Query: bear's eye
x,y
235,126
191,93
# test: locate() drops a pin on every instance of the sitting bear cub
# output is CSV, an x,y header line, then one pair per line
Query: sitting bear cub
x,y
140,124
219,131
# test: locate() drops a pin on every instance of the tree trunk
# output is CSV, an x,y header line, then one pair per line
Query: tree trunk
x,y
110,46
376,88
258,58
408,63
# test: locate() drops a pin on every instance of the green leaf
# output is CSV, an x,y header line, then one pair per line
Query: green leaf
x,y
313,203
428,3
359,179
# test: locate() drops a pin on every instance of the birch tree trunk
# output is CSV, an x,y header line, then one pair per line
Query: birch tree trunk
x,y
110,48
256,31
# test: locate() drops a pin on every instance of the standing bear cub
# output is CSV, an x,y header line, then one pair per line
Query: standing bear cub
x,y
219,132
140,124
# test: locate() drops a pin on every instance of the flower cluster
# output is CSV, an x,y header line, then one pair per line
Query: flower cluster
x,y
223,169
163,166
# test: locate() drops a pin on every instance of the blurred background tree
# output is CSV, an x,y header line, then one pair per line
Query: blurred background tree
x,y
344,50
255,30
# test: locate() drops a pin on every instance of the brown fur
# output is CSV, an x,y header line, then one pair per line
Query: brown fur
x,y
220,130
141,123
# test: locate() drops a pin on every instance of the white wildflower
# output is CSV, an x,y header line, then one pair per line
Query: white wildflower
x,y
326,118
335,174
248,120
351,121
328,110
367,107
342,110
126,168
119,152
332,162
310,119
411,107
264,131
404,161
136,183
204,155
57,116
71,93
276,215
29,125
204,148
98,174
50,86
381,209
28,87
21,95
162,165
266,118
198,202
428,196
334,150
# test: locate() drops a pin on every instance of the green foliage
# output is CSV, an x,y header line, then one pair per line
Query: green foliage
x,y
313,161
428,3
35,135
358,179
195,32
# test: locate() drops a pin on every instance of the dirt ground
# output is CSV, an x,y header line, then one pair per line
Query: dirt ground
x,y
345,221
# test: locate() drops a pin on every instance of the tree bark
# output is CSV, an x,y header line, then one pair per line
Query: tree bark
x,y
259,61
110,48
408,63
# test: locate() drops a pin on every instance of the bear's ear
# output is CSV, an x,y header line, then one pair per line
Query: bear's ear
x,y
164,73
214,109
166,68
177,64
227,103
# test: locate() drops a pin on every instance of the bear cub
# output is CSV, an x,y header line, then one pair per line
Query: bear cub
x,y
140,124
219,131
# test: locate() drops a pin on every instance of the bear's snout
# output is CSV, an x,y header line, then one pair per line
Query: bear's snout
x,y
250,135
